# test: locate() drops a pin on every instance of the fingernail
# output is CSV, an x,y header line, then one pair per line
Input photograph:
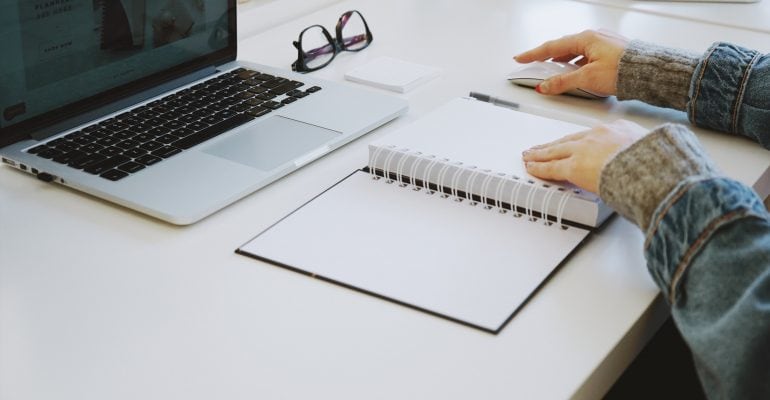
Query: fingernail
x,y
516,57
542,87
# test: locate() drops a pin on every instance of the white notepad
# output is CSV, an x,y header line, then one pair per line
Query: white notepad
x,y
435,241
392,74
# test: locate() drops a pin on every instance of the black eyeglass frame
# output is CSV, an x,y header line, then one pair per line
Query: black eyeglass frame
x,y
337,43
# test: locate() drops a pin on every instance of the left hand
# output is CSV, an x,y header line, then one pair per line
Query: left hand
x,y
579,158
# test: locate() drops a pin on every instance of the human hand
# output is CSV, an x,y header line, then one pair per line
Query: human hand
x,y
579,158
600,53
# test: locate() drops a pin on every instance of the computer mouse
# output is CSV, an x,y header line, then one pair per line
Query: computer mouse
x,y
531,74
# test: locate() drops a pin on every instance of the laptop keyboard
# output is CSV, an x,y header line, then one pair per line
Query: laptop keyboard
x,y
146,135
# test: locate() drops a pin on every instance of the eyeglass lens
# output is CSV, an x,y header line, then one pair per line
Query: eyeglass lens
x,y
352,31
316,46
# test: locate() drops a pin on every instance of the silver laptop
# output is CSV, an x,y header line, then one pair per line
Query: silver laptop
x,y
145,104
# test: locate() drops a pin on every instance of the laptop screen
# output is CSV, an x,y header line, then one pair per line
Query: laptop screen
x,y
58,53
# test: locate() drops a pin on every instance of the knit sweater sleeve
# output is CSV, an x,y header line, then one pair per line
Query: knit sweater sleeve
x,y
638,178
656,75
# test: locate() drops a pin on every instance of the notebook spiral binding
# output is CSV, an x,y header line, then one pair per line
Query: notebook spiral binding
x,y
395,174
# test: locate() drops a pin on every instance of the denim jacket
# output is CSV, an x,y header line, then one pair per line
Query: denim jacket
x,y
707,236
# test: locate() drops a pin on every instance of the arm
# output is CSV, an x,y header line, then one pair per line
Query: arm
x,y
725,89
707,241
708,248
707,237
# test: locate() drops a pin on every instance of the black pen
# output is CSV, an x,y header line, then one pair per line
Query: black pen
x,y
543,112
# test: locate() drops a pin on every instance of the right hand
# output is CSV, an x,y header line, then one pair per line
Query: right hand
x,y
601,51
580,158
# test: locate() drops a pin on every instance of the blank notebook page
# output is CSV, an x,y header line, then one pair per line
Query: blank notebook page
x,y
462,262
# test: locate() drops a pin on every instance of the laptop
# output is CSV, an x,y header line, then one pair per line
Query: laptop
x,y
146,105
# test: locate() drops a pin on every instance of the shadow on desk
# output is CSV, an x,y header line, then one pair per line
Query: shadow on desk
x,y
663,370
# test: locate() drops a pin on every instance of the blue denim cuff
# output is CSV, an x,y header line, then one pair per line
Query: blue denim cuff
x,y
684,222
718,87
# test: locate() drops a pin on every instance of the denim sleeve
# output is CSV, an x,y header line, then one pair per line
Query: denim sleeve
x,y
730,92
708,249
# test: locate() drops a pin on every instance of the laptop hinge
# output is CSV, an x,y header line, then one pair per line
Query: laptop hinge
x,y
110,108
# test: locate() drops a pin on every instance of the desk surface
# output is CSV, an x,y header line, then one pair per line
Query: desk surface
x,y
745,16
98,302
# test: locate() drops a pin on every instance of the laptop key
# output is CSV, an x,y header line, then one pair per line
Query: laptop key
x,y
123,135
66,147
166,152
69,157
127,144
273,105
131,167
114,175
258,111
212,131
49,153
285,87
91,148
147,159
182,132
225,114
37,149
188,119
106,165
108,141
245,73
266,96
167,139
82,140
158,131
240,107
271,84
151,146
197,126
109,151
133,153
86,161
211,120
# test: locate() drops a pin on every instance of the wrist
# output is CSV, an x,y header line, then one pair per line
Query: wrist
x,y
636,180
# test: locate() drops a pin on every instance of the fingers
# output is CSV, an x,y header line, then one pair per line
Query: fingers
x,y
562,83
555,152
557,170
563,47
564,139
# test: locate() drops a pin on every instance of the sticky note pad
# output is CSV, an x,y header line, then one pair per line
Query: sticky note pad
x,y
392,74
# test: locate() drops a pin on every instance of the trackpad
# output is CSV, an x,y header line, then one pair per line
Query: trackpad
x,y
272,142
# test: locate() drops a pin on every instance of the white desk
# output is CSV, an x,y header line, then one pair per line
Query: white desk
x,y
97,302
743,16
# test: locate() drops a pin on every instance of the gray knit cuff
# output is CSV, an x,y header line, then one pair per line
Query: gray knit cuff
x,y
656,75
638,178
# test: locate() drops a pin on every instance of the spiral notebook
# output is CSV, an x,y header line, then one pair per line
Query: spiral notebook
x,y
444,219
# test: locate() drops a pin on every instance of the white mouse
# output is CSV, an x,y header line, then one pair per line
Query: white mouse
x,y
531,74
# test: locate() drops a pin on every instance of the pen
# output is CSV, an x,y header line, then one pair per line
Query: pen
x,y
529,109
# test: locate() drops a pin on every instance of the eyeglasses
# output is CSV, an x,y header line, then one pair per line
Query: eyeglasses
x,y
316,48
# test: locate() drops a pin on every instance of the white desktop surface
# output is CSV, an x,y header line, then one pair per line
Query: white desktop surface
x,y
97,302
745,16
